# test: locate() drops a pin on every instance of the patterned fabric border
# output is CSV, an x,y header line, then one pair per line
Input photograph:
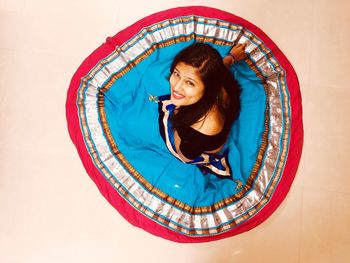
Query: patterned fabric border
x,y
196,221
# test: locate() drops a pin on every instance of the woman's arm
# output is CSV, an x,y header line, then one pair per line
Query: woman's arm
x,y
237,53
228,61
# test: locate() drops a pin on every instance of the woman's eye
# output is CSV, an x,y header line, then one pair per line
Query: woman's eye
x,y
189,83
176,74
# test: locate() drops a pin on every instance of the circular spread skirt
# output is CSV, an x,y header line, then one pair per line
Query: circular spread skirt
x,y
113,120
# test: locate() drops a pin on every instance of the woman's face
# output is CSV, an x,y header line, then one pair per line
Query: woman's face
x,y
186,85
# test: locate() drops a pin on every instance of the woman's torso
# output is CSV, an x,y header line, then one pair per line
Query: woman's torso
x,y
208,135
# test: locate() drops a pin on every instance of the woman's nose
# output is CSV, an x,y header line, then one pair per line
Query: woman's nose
x,y
178,85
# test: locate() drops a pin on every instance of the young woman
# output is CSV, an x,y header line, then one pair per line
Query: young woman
x,y
206,100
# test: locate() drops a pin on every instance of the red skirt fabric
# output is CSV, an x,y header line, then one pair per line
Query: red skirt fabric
x,y
113,189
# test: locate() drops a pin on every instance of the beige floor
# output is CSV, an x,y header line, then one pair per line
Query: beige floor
x,y
52,212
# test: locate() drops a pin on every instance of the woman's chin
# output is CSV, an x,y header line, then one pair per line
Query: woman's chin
x,y
175,102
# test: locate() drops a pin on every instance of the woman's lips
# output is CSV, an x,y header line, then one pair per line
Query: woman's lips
x,y
177,95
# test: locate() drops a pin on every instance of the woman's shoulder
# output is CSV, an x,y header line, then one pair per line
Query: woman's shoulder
x,y
211,124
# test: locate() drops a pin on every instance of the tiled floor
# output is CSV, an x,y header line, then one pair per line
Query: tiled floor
x,y
52,212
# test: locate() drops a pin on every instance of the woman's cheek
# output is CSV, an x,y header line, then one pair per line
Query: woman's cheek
x,y
171,81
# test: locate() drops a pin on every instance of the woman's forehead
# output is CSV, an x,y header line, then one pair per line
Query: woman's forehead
x,y
188,70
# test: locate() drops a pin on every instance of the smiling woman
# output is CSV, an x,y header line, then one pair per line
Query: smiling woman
x,y
186,85
207,101
160,159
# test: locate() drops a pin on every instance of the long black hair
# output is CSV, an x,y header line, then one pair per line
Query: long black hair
x,y
217,80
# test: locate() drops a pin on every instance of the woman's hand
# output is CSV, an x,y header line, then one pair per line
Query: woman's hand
x,y
237,53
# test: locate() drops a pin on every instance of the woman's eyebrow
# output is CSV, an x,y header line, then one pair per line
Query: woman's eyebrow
x,y
191,79
185,75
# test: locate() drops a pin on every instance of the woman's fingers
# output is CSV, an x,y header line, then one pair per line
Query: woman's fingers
x,y
239,51
243,45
